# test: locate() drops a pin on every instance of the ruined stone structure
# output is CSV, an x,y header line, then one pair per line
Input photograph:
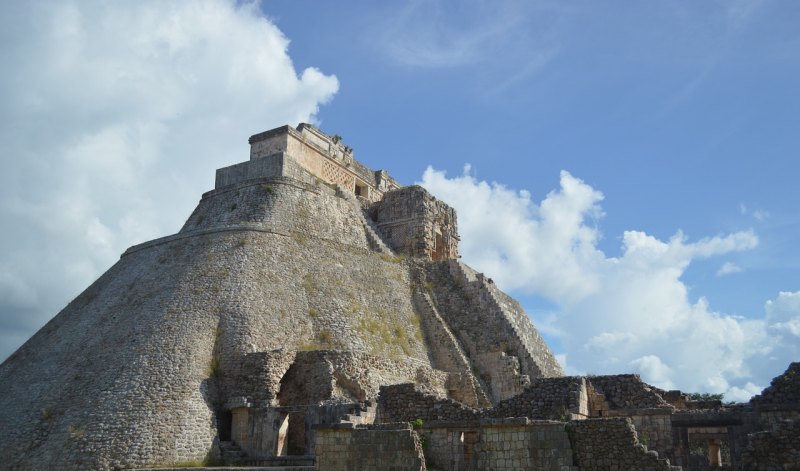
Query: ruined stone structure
x,y
313,313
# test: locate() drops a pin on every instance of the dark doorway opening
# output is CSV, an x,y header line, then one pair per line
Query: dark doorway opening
x,y
224,424
296,434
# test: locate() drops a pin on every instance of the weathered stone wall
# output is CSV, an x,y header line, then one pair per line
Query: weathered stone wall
x,y
513,444
317,154
346,376
490,328
775,449
278,431
653,428
135,370
449,445
277,166
783,389
391,447
405,403
417,224
259,378
544,399
606,444
627,392
281,206
308,381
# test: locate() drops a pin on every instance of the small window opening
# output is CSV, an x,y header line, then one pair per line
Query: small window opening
x,y
360,190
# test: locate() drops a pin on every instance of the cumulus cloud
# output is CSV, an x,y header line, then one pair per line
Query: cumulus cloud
x,y
629,312
112,115
783,315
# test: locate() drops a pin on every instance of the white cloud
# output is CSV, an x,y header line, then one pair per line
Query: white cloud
x,y
113,113
616,313
652,368
729,268
743,394
555,266
783,314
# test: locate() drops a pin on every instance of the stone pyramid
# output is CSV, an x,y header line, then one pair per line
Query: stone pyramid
x,y
297,288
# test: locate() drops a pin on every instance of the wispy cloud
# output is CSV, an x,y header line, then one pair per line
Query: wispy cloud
x,y
502,42
758,214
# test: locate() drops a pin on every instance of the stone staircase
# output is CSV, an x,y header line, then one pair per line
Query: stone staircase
x,y
361,415
501,346
447,351
374,238
538,362
231,454
288,462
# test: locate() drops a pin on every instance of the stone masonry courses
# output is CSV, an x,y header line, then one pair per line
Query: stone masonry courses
x,y
313,313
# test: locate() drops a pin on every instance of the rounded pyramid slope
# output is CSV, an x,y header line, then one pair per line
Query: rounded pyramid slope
x,y
132,371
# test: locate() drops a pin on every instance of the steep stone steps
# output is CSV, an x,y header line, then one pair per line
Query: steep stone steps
x,y
232,455
537,357
447,351
361,416
374,238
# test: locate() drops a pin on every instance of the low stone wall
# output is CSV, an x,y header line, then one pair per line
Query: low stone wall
x,y
653,427
390,447
514,444
544,399
776,449
605,444
783,389
627,392
405,403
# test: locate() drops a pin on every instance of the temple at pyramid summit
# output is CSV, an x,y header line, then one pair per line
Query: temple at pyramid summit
x,y
313,313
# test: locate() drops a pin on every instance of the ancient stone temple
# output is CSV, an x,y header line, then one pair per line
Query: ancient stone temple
x,y
314,314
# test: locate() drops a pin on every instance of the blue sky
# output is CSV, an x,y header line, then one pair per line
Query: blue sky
x,y
630,166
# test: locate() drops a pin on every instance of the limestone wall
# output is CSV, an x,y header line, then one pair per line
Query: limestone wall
x,y
604,444
282,206
307,151
135,370
258,381
391,447
491,329
519,444
405,403
627,392
417,224
544,399
774,449
653,429
783,389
